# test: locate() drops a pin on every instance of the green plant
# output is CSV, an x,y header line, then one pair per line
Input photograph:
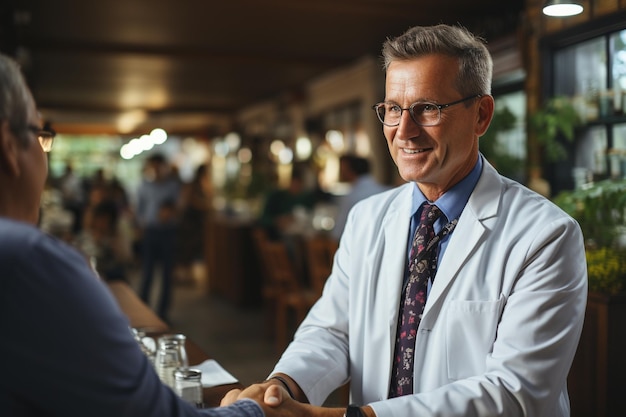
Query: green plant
x,y
606,268
600,210
508,165
557,118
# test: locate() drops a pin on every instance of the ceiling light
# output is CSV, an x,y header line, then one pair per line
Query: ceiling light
x,y
562,8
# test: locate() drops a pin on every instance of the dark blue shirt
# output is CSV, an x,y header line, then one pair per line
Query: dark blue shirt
x,y
66,346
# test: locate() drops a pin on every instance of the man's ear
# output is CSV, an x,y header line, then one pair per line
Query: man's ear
x,y
485,114
8,151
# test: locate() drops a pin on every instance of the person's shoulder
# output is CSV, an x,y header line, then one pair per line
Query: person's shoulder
x,y
520,201
516,190
16,234
395,191
386,198
18,244
24,242
369,184
511,195
32,259
373,213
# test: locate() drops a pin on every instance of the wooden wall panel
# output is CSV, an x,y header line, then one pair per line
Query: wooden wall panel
x,y
596,379
602,7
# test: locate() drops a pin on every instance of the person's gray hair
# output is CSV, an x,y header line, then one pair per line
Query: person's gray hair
x,y
475,63
15,97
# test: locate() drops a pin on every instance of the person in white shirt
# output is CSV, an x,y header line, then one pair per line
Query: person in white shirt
x,y
354,170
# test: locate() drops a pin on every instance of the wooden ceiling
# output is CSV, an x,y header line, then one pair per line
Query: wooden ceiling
x,y
191,65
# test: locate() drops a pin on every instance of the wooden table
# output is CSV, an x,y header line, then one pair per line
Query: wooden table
x,y
138,313
141,316
233,267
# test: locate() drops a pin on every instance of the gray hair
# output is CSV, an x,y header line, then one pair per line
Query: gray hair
x,y
475,64
15,97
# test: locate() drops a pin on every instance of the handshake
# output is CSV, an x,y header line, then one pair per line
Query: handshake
x,y
273,395
280,396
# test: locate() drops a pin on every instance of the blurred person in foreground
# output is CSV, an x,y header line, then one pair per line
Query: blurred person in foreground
x,y
503,313
354,170
67,349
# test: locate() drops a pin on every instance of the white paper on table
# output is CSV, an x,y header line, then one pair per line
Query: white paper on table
x,y
213,374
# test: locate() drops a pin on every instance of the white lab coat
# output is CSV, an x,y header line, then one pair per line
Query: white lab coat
x,y
502,320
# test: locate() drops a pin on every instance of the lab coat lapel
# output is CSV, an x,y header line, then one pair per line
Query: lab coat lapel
x,y
482,205
396,227
467,232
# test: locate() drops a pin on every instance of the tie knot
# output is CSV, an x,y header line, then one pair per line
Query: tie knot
x,y
430,213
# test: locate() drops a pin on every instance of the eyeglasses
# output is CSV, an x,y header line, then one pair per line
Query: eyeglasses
x,y
423,113
45,137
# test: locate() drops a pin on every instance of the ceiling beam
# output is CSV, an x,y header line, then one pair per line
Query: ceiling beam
x,y
305,60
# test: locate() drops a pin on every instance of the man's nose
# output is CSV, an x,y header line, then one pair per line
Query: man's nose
x,y
407,127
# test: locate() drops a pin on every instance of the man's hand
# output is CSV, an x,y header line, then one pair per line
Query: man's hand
x,y
270,393
273,399
276,402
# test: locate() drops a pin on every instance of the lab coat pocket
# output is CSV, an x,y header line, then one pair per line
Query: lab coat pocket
x,y
470,332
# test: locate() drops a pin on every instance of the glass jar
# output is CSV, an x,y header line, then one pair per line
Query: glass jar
x,y
188,385
171,355
146,343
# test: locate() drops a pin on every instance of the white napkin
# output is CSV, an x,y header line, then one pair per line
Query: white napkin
x,y
213,374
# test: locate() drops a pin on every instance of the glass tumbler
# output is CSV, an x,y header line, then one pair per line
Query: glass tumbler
x,y
171,355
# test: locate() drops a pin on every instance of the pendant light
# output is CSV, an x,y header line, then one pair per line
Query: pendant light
x,y
562,8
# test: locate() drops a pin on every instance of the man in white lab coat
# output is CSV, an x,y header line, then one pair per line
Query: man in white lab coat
x,y
504,310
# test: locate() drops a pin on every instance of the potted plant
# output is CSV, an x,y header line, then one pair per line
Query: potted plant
x,y
600,209
599,364
606,268
508,165
556,119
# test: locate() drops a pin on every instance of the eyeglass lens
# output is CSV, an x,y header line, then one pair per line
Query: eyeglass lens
x,y
424,114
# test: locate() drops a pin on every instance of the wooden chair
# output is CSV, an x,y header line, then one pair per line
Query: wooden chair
x,y
270,290
293,296
320,251
283,291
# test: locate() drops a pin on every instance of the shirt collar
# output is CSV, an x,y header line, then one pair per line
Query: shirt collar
x,y
453,201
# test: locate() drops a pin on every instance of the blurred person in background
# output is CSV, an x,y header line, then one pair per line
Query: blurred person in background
x,y
72,196
287,214
354,170
103,244
280,204
195,207
285,209
97,194
157,219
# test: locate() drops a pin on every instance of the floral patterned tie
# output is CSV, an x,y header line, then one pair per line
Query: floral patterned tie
x,y
422,267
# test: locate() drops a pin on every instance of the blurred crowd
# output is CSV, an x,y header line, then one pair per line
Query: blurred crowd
x,y
157,231
157,234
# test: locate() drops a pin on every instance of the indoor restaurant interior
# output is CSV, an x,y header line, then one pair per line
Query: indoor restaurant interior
x,y
238,99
